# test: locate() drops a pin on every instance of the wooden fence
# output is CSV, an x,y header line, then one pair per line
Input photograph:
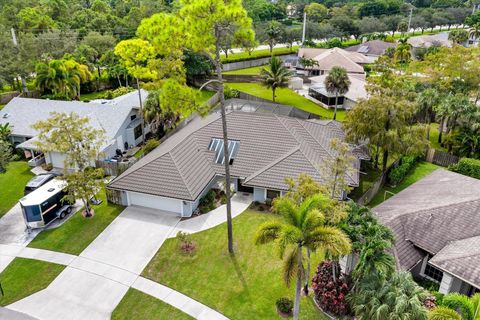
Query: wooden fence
x,y
114,168
441,158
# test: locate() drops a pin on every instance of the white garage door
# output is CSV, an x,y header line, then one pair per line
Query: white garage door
x,y
155,202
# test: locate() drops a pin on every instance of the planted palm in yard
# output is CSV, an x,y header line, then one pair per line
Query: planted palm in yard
x,y
337,82
276,75
302,227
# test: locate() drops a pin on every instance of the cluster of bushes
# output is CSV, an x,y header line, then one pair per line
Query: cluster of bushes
x,y
150,145
208,202
284,306
330,294
257,54
467,166
231,93
397,174
120,91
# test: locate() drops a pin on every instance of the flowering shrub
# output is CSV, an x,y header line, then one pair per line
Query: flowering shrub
x,y
330,294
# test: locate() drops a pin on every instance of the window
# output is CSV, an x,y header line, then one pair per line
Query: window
x,y
217,146
32,213
133,117
272,194
137,132
433,273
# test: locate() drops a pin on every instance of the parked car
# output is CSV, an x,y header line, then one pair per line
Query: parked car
x,y
38,181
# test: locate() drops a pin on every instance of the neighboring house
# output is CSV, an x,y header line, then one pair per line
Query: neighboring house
x,y
429,40
373,48
263,149
328,58
436,223
347,101
119,118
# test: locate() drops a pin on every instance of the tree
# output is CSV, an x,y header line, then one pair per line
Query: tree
x,y
5,131
273,34
458,36
302,227
276,75
337,83
402,27
160,120
316,12
395,297
5,155
71,135
206,22
427,100
403,52
93,46
474,31
136,54
308,63
457,306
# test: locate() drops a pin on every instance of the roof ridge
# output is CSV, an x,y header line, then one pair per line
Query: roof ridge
x,y
467,255
271,164
180,174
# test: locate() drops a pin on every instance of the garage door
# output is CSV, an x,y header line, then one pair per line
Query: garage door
x,y
155,202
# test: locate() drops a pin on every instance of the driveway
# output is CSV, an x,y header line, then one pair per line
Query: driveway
x,y
94,283
13,228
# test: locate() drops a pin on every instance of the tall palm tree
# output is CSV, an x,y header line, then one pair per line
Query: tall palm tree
x,y
426,101
474,31
302,227
403,53
276,75
396,297
457,306
337,82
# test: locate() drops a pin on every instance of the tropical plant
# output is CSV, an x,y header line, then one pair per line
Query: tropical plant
x,y
427,100
457,306
395,297
458,36
284,305
443,313
273,34
337,83
5,131
403,53
302,226
275,76
474,31
5,155
308,63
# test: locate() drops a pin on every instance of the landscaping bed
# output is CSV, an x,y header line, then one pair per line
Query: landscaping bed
x,y
288,97
12,184
245,285
212,200
78,232
140,306
24,277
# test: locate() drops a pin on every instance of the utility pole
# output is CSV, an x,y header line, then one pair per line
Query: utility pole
x,y
15,43
304,27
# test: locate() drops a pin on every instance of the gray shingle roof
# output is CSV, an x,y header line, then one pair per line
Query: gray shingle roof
x,y
442,207
373,47
461,258
271,148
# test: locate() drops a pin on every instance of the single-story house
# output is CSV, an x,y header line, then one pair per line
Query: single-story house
x,y
436,223
373,48
263,149
429,40
356,91
328,58
119,118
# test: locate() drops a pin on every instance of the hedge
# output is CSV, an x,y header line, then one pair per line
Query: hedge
x,y
397,174
467,166
258,54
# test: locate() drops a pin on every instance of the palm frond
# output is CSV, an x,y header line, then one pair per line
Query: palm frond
x,y
291,265
267,232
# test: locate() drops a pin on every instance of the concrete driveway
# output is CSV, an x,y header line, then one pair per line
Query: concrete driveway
x,y
95,282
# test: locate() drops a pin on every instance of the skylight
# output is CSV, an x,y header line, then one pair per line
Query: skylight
x,y
217,146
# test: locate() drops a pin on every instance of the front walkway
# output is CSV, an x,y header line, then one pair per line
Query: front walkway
x,y
94,283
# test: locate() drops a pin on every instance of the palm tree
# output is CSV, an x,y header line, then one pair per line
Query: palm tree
x,y
5,131
474,31
276,75
403,52
302,227
337,82
457,306
426,101
395,297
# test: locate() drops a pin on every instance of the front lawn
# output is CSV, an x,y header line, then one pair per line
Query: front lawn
x,y
420,170
243,286
287,96
24,277
12,184
246,71
141,306
78,232
257,54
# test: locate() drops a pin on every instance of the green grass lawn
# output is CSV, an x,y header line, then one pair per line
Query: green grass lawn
x,y
24,277
287,96
420,170
12,184
246,71
92,95
434,137
243,286
140,306
205,95
264,53
78,232
367,179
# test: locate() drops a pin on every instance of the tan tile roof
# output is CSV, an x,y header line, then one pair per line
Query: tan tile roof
x,y
329,58
271,148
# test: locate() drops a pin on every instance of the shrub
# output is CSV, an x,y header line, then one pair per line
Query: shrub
x,y
47,166
187,244
397,174
150,145
284,305
330,294
467,166
207,202
231,93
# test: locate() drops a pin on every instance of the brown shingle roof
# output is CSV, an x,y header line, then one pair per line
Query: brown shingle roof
x,y
373,47
271,148
442,207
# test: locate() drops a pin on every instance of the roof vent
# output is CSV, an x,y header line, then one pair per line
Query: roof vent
x,y
51,190
6,115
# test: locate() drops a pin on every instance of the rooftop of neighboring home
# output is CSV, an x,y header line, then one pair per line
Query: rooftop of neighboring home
x,y
263,150
356,90
22,113
439,215
374,48
329,58
428,40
